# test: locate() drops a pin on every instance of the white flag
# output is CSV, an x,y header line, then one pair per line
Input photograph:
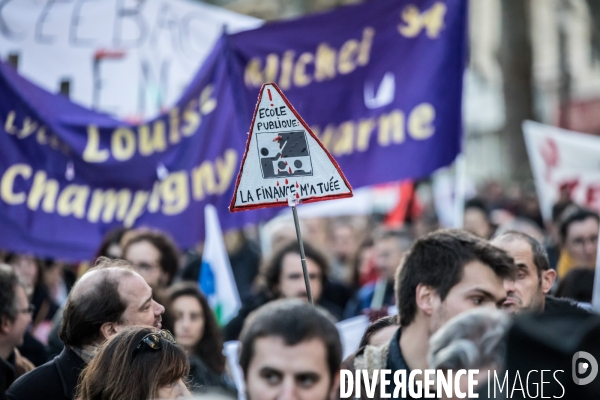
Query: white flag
x,y
216,278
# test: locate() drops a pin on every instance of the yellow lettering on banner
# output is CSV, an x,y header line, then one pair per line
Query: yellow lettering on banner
x,y
226,170
41,136
29,126
92,152
191,119
324,63
154,201
414,21
137,208
203,177
364,54
346,57
72,200
300,77
207,103
9,126
344,143
174,137
155,142
420,122
42,188
365,128
8,182
287,64
254,77
123,144
391,128
175,193
108,202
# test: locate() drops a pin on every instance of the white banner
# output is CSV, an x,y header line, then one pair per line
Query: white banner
x,y
129,58
563,161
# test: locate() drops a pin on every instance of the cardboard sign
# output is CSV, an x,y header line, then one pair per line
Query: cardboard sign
x,y
284,159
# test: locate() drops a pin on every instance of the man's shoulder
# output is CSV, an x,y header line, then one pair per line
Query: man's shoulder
x,y
554,305
49,381
41,383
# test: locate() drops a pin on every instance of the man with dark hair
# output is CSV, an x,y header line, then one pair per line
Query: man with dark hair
x,y
106,299
529,290
283,278
389,247
579,240
15,316
154,256
534,277
444,274
290,349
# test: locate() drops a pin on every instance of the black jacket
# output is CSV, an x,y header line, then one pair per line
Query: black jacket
x,y
7,376
55,380
556,305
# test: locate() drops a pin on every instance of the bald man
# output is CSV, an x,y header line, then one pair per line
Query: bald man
x,y
106,299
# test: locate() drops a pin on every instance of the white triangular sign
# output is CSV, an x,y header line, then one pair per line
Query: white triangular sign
x,y
284,159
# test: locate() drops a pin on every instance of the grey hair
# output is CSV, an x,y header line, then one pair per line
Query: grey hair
x,y
471,340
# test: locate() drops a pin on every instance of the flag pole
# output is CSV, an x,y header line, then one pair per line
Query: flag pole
x,y
292,203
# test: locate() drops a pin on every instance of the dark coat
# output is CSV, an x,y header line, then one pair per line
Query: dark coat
x,y
55,380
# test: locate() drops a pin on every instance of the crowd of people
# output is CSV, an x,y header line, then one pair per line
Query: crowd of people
x,y
134,324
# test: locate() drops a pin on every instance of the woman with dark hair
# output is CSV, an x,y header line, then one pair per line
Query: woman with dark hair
x,y
137,363
196,330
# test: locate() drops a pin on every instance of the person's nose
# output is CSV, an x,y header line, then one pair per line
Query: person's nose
x,y
288,390
186,322
158,309
509,286
591,247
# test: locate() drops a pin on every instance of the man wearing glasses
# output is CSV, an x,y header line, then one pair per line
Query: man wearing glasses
x,y
108,298
15,317
579,240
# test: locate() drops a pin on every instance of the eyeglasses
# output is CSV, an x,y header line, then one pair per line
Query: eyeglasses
x,y
28,310
152,340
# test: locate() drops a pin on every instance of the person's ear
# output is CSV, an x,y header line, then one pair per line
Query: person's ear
x,y
548,278
5,324
426,298
107,330
335,387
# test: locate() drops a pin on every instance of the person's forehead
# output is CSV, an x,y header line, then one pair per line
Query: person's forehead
x,y
387,244
142,250
20,295
519,249
188,303
306,356
583,227
477,275
291,263
475,212
134,288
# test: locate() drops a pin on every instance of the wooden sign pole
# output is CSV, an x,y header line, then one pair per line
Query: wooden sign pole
x,y
292,203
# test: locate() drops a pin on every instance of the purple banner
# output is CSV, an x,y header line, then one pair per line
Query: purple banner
x,y
380,83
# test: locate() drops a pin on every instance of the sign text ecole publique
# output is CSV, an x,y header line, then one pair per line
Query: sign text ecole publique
x,y
284,161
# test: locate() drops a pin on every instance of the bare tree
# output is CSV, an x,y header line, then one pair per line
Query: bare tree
x,y
516,64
